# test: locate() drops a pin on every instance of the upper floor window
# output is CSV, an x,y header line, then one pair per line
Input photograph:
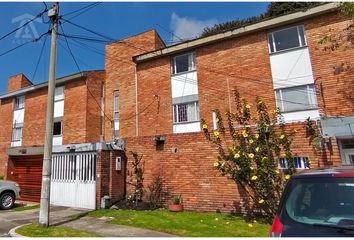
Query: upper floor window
x,y
288,38
19,102
17,132
183,63
58,128
116,110
300,98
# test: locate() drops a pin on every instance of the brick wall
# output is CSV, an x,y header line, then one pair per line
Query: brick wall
x,y
337,98
6,115
17,82
120,75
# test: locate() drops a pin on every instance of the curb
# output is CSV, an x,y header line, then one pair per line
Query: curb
x,y
12,232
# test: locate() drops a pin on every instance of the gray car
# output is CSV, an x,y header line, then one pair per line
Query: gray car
x,y
9,192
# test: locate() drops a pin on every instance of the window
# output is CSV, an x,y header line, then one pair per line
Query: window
x,y
183,63
298,98
288,38
19,102
299,162
185,112
57,129
17,132
116,110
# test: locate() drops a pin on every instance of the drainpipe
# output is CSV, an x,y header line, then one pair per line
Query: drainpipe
x,y
136,102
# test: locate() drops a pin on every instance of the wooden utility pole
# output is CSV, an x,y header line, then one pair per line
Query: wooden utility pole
x,y
48,140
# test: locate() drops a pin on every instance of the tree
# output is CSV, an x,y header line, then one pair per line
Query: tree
x,y
248,152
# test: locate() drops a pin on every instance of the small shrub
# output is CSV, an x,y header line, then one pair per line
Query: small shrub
x,y
156,192
177,199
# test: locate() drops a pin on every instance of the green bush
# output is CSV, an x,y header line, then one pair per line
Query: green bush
x,y
248,152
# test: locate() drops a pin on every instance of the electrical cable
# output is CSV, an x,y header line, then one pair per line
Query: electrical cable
x,y
39,58
23,44
23,25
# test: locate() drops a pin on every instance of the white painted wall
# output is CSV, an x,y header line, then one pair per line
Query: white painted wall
x,y
301,115
291,68
184,84
186,127
19,116
57,140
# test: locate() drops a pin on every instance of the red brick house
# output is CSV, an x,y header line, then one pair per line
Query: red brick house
x,y
156,93
81,161
153,90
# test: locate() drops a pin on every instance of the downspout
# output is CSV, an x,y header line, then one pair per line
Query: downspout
x,y
136,102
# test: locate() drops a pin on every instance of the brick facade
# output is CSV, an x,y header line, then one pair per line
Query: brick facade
x,y
242,62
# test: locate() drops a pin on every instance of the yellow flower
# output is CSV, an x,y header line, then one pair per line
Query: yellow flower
x,y
205,126
227,223
237,155
250,225
261,201
251,141
216,219
244,134
252,168
282,136
201,220
216,164
251,155
257,149
216,134
254,178
248,106
255,221
256,135
287,177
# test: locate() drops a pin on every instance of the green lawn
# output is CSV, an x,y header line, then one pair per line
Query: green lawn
x,y
33,230
187,223
24,208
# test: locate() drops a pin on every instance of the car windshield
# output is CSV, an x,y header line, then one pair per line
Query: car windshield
x,y
321,201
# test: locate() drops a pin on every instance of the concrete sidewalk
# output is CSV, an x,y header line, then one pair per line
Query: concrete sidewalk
x,y
10,219
105,229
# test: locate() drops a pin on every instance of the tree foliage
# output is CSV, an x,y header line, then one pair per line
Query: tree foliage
x,y
249,149
274,9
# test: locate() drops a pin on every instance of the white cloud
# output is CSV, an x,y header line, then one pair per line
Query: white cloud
x,y
187,28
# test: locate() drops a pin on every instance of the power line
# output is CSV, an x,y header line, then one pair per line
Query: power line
x,y
25,24
207,68
23,44
39,58
82,10
176,77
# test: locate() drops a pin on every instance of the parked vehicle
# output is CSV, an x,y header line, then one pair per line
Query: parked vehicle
x,y
317,203
9,192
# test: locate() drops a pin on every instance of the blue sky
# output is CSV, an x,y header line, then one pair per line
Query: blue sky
x,y
114,19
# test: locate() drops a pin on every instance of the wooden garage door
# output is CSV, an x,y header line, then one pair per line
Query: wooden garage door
x,y
28,174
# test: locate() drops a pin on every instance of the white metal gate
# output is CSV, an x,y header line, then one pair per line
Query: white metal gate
x,y
73,181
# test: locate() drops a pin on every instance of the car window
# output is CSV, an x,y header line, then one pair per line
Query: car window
x,y
321,200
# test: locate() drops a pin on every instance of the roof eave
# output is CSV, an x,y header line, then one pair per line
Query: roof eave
x,y
267,24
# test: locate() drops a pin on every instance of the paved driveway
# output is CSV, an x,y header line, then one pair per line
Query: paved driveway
x,y
10,219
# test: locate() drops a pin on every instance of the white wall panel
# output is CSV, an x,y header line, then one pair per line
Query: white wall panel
x,y
59,109
301,115
19,116
186,127
291,68
59,93
184,84
57,140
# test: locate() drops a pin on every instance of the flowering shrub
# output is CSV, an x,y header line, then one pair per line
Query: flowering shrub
x,y
248,152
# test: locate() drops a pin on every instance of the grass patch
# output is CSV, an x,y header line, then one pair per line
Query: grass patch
x,y
21,208
187,223
34,230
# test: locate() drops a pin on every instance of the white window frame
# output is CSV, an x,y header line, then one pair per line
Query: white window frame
x,y
309,96
19,103
115,109
196,111
17,126
61,128
283,164
191,63
301,44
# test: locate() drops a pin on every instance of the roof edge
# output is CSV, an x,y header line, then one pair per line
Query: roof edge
x,y
271,23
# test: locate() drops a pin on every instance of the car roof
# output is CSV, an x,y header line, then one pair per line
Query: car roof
x,y
347,171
